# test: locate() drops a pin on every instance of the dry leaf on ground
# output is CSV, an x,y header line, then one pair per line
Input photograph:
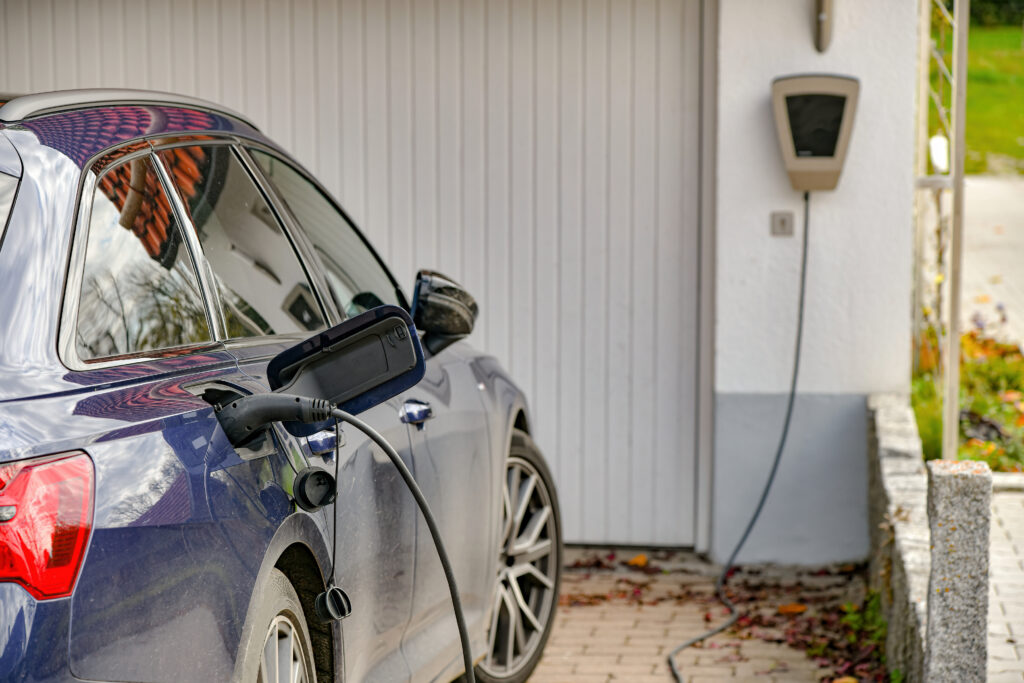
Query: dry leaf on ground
x,y
638,561
792,608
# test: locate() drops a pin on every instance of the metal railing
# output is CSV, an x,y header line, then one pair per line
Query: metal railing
x,y
942,97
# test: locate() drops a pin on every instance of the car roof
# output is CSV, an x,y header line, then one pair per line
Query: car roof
x,y
17,108
86,124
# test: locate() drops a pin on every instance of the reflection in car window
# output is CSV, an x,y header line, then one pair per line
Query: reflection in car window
x,y
263,287
139,289
358,282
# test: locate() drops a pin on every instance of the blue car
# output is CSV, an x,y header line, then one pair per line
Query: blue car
x,y
157,252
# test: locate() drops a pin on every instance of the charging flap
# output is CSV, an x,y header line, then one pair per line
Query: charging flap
x,y
356,364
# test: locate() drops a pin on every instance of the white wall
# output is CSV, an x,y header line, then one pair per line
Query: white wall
x,y
857,321
856,336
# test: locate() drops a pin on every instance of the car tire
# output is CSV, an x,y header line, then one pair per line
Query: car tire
x,y
529,569
276,647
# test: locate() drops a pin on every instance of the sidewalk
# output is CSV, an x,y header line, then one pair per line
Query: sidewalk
x,y
602,633
993,253
1006,588
994,276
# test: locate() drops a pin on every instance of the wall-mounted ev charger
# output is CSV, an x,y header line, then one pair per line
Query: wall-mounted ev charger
x,y
814,120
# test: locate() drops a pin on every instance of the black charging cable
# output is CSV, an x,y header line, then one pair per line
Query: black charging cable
x,y
435,534
723,577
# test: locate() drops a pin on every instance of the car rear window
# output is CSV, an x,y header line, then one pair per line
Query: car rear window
x,y
140,291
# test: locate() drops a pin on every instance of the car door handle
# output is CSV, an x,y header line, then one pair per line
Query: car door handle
x,y
415,412
324,442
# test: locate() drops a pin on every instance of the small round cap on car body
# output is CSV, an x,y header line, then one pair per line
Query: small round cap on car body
x,y
313,488
333,605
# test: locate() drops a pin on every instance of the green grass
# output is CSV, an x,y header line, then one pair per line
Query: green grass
x,y
995,100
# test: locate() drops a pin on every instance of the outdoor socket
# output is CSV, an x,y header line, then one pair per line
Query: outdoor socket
x,y
782,224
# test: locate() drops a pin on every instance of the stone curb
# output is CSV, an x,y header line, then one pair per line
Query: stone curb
x,y
1008,481
930,548
900,539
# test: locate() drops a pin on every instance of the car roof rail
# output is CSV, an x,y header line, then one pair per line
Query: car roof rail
x,y
38,104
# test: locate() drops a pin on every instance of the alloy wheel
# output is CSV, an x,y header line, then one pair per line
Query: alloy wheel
x,y
527,572
282,659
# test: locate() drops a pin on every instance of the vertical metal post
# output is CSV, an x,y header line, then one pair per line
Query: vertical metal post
x,y
921,166
951,403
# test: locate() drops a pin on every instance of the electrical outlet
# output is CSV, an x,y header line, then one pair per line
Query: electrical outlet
x,y
782,223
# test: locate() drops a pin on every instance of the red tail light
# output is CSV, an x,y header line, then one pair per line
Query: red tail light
x,y
45,519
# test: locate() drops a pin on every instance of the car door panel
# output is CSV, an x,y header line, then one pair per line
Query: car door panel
x,y
450,458
376,518
454,469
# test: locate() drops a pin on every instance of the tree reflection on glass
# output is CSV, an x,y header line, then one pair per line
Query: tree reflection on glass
x,y
139,289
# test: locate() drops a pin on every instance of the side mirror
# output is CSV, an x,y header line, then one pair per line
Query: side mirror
x,y
354,365
442,309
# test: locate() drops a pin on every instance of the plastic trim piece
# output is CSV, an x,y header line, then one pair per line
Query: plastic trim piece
x,y
42,103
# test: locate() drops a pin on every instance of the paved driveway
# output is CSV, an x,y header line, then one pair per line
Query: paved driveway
x,y
619,624
1006,587
994,276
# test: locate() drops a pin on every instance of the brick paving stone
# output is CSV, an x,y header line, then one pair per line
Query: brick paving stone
x,y
1005,677
1002,652
1006,580
617,640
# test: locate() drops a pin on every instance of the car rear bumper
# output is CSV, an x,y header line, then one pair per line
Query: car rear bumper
x,y
33,637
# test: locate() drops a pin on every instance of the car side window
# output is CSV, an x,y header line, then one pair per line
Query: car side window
x,y
140,291
262,285
357,280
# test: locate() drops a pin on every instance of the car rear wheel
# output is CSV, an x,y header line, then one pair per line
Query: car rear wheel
x,y
529,568
278,648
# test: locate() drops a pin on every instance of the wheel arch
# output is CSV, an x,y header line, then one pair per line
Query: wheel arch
x,y
298,563
521,422
299,550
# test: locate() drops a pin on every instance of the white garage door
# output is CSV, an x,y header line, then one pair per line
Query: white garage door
x,y
543,153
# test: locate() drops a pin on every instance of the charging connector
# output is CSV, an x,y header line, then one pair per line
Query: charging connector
x,y
243,418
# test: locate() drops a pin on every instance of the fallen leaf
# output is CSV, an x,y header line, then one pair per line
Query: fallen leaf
x,y
638,561
982,299
996,279
581,599
792,608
